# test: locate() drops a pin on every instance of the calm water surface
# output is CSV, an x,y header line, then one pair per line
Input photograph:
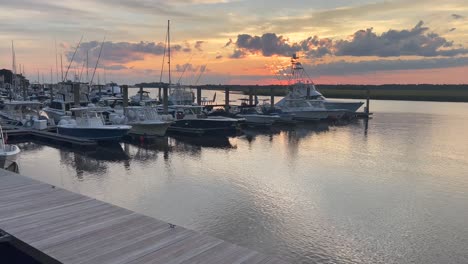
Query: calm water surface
x,y
320,193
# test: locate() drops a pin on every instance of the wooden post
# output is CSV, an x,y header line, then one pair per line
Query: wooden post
x,y
141,93
226,99
100,90
272,98
368,102
199,95
125,95
165,98
25,92
250,96
76,94
159,92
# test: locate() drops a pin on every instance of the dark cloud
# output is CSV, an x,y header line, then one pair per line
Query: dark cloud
x,y
418,41
115,67
455,16
268,44
238,53
228,43
219,57
452,29
363,67
120,52
198,45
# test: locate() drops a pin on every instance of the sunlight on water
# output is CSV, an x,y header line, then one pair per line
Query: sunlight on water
x,y
326,193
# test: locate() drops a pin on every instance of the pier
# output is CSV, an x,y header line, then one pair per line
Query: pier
x,y
53,225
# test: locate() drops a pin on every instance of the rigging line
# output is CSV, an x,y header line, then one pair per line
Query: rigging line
x,y
73,57
97,62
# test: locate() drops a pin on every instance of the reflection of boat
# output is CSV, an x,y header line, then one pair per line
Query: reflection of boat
x,y
190,120
146,121
206,142
89,124
8,153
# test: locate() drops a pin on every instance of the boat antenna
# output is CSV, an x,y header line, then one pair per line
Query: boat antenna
x,y
73,57
97,62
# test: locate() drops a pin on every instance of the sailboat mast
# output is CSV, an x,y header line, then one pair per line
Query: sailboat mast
x,y
169,49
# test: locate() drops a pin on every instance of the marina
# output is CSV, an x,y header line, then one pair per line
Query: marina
x,y
233,132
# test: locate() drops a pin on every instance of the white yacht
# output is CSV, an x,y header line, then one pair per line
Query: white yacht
x,y
180,95
304,89
305,110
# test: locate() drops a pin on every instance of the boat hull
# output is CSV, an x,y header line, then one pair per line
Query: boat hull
x,y
260,120
98,134
204,127
347,106
8,156
150,129
309,115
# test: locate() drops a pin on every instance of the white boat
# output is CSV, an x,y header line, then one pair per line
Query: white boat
x,y
143,98
146,121
180,95
88,122
255,118
303,88
305,110
21,113
61,105
8,153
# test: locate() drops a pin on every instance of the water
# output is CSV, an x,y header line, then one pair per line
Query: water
x,y
394,193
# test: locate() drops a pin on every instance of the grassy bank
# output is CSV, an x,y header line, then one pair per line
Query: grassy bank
x,y
423,92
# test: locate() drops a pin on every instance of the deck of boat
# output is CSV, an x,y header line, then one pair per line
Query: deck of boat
x,y
57,226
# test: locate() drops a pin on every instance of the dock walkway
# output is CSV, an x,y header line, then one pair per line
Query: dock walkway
x,y
57,226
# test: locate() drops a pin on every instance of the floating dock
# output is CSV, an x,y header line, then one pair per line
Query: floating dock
x,y
53,225
52,137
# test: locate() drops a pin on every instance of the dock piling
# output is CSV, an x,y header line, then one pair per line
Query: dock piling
x,y
367,101
125,95
250,96
226,99
165,98
199,92
272,98
76,94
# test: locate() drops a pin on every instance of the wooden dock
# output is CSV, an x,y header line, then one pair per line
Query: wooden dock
x,y
57,226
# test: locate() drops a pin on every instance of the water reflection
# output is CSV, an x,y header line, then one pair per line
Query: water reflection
x,y
311,193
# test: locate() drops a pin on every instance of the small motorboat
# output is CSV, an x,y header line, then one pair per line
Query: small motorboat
x,y
88,123
255,118
8,153
145,121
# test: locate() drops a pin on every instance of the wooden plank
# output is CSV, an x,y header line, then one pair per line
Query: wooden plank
x,y
72,228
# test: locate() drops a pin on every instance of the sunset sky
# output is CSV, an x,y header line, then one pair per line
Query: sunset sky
x,y
240,41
